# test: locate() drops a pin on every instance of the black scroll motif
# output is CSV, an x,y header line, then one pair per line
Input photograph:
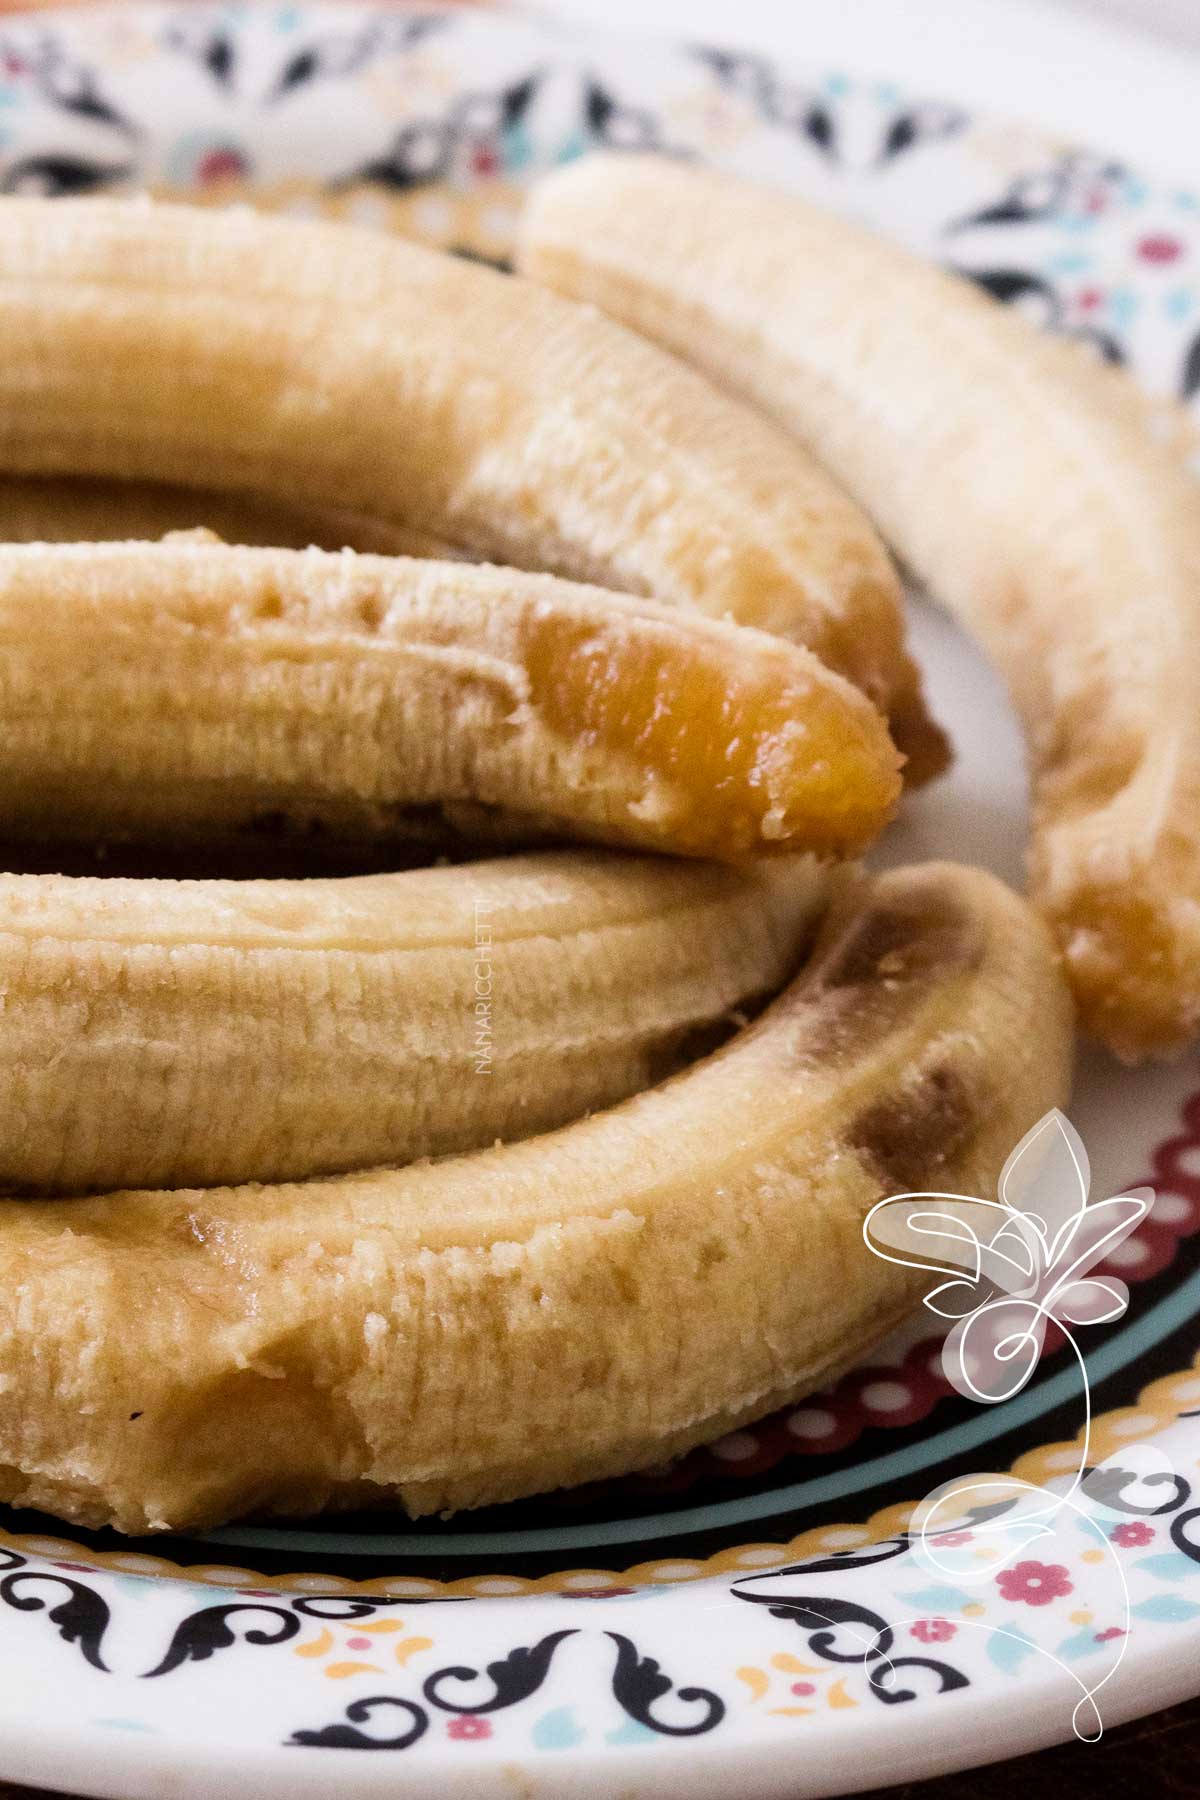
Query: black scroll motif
x,y
335,1608
340,54
344,1736
55,177
1185,1533
776,99
836,1561
82,1618
203,1633
423,150
1106,1487
513,1677
1043,194
839,1630
1189,387
1017,287
913,126
881,1676
638,1682
72,86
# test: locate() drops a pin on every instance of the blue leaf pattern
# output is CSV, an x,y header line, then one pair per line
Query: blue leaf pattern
x,y
1169,1565
558,1729
1166,1609
1080,1643
1008,1647
937,1599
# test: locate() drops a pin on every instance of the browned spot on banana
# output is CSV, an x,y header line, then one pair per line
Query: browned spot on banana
x,y
883,965
462,1332
913,1135
892,944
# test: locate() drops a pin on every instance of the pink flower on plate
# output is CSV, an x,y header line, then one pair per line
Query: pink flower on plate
x,y
1034,1583
465,1727
1132,1535
1160,247
933,1631
223,164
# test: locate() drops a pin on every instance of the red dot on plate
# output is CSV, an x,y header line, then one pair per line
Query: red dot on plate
x,y
1160,248
220,165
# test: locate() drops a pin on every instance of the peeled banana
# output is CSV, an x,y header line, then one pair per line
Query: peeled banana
x,y
582,1303
192,686
1015,475
162,1033
67,510
318,364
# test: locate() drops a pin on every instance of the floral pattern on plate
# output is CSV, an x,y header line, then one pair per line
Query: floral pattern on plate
x,y
434,121
826,1634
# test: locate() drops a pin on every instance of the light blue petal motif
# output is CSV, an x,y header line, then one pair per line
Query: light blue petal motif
x,y
557,1730
1169,1565
1081,1643
632,1732
1166,1609
1008,1647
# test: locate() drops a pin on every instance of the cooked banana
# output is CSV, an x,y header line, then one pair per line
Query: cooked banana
x,y
1017,477
492,1325
314,363
63,510
192,686
159,1033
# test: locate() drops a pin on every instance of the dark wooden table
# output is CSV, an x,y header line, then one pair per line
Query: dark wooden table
x,y
1155,1757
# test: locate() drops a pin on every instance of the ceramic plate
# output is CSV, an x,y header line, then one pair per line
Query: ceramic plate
x,y
755,1618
